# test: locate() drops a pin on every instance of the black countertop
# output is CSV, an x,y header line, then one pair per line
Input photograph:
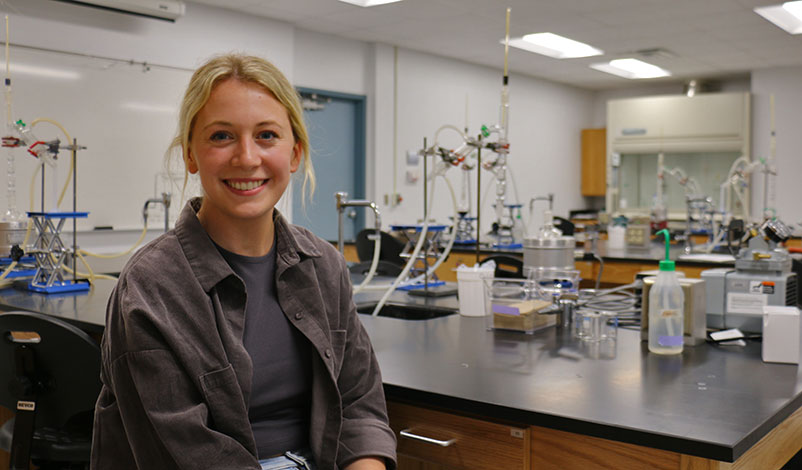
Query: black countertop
x,y
710,401
86,310
653,253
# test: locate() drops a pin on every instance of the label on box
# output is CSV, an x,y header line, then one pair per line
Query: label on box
x,y
506,309
761,287
751,304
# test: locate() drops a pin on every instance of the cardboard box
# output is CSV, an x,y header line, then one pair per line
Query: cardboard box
x,y
521,316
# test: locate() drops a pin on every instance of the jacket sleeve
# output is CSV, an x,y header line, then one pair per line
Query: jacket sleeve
x,y
365,429
170,420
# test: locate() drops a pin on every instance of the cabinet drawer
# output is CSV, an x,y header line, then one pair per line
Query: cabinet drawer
x,y
458,442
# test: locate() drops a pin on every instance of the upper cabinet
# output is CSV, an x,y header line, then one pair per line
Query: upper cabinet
x,y
657,146
594,162
716,122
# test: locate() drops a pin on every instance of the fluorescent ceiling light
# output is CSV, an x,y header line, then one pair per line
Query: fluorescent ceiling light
x,y
368,3
46,72
631,68
787,16
553,45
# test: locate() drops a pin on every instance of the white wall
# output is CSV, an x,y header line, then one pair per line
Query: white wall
x,y
785,84
545,122
545,118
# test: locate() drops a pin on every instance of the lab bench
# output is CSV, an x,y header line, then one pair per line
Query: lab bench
x,y
548,400
620,265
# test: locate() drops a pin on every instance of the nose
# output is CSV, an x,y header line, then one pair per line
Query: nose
x,y
247,154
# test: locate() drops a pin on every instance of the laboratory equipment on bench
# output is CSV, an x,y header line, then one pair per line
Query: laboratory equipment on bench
x,y
465,229
549,248
693,313
514,305
666,305
699,221
12,241
427,255
762,276
560,286
508,229
51,254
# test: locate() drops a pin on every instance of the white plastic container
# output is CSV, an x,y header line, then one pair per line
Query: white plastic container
x,y
471,290
666,303
616,237
781,334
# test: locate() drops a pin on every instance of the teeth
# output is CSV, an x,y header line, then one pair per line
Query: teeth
x,y
245,186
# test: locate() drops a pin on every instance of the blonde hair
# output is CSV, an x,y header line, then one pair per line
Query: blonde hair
x,y
247,69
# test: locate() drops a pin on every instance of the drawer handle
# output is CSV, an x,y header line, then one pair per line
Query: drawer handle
x,y
406,433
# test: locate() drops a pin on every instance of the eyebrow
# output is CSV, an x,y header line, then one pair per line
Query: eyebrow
x,y
229,124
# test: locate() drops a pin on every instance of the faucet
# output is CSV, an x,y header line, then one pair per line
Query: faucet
x,y
342,203
164,200
549,197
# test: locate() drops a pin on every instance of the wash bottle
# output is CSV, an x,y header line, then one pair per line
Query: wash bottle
x,y
666,302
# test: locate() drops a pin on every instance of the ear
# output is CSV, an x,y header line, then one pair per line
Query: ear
x,y
296,157
192,165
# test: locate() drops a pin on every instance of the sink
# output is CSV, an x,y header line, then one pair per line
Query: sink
x,y
407,312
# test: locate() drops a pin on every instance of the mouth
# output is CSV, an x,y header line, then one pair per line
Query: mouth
x,y
244,185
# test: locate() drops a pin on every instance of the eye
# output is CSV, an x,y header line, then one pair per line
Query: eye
x,y
266,135
219,136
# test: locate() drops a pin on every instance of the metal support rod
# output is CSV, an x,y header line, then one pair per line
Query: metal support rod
x,y
74,209
43,186
425,215
478,196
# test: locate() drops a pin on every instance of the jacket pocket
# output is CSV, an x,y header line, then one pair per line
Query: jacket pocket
x,y
223,396
338,338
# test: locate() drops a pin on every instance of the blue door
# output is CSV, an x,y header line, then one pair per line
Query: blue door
x,y
336,125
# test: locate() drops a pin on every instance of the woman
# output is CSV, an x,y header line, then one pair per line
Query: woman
x,y
232,341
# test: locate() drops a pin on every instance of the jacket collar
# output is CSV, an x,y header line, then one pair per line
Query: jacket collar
x,y
209,266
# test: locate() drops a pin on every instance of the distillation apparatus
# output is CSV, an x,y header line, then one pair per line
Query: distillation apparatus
x,y
47,259
461,157
467,155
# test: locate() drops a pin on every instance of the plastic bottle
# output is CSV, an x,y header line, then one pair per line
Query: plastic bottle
x,y
666,303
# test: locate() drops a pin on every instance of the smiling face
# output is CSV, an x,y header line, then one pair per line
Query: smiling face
x,y
243,148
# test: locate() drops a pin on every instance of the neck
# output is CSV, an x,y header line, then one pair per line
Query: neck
x,y
246,237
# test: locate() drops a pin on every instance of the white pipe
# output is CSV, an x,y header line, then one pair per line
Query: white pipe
x,y
407,267
414,255
373,264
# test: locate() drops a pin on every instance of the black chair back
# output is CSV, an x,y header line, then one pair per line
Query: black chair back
x,y
507,266
390,249
50,377
564,225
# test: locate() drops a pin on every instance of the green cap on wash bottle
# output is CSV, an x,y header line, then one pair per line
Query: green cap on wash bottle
x,y
666,264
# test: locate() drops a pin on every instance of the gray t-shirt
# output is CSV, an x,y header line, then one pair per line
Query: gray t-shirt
x,y
281,355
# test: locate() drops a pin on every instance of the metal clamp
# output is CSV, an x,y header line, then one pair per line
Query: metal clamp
x,y
408,434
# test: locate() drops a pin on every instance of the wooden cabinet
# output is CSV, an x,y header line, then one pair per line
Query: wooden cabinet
x,y
5,415
434,440
594,162
446,270
484,445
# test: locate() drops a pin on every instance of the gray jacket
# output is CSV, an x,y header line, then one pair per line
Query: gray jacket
x,y
176,376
